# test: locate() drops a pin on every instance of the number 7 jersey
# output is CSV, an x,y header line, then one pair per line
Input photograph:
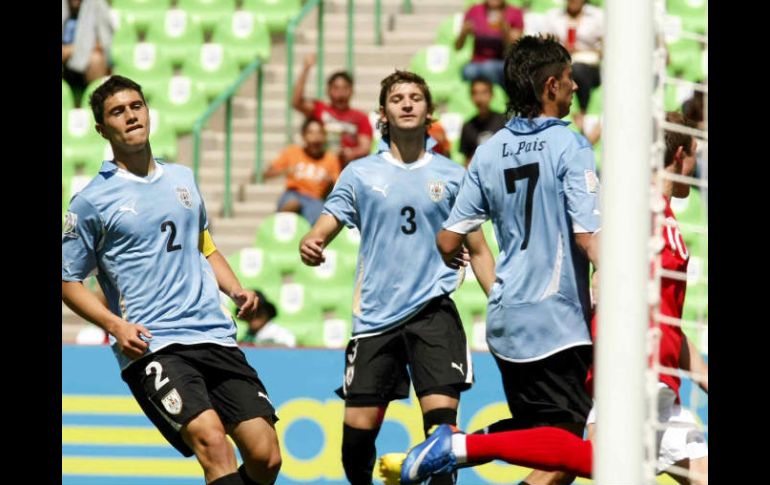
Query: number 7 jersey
x,y
536,181
142,235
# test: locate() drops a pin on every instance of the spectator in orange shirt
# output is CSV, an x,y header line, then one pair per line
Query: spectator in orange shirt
x,y
310,172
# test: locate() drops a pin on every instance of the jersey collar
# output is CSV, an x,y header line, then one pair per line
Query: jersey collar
x,y
383,149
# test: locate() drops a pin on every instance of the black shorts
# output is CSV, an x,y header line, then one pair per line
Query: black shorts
x,y
432,344
548,391
178,382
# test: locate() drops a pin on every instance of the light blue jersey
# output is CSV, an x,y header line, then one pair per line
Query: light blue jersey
x,y
398,209
141,235
537,183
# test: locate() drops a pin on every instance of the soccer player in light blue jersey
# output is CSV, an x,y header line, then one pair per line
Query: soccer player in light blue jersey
x,y
141,225
536,180
402,314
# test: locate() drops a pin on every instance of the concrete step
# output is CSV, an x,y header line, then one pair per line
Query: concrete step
x,y
250,208
234,226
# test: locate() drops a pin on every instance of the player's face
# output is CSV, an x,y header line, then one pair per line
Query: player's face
x,y
315,140
481,95
565,89
682,190
340,92
126,120
406,107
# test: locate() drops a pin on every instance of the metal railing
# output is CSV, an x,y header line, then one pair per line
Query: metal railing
x,y
226,98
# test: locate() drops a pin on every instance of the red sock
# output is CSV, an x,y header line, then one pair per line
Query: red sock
x,y
543,448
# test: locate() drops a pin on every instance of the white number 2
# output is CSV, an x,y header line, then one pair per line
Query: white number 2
x,y
158,369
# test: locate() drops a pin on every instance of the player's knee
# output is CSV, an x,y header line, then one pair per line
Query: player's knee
x,y
438,416
211,445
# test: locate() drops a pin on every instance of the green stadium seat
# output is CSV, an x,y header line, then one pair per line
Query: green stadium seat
x,y
209,14
213,69
542,6
253,270
123,41
162,137
147,66
182,104
177,36
67,98
447,33
693,14
245,36
440,68
81,144
346,244
298,315
140,13
279,234
277,13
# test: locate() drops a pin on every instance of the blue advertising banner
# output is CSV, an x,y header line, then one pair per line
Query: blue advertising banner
x,y
106,440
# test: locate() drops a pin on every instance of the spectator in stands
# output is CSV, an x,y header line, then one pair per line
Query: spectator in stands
x,y
262,330
580,28
481,127
86,40
349,131
681,442
142,223
494,25
310,172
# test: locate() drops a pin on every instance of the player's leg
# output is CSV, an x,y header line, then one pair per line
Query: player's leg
x,y
549,392
289,202
172,393
375,374
682,443
240,398
205,435
439,357
258,443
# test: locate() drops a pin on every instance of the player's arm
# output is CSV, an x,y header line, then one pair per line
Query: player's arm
x,y
588,243
692,360
226,279
298,100
87,305
482,261
320,235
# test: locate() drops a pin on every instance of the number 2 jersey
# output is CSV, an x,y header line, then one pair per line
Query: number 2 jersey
x,y
141,235
398,209
536,180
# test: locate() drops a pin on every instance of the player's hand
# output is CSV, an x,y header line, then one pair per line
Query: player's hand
x,y
460,259
130,341
308,61
247,302
311,251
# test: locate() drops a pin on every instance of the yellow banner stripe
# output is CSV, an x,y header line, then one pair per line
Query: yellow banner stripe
x,y
156,467
99,405
110,435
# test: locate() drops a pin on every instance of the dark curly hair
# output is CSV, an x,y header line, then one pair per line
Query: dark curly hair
x,y
529,62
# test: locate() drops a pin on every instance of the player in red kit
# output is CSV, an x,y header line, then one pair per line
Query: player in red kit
x,y
681,443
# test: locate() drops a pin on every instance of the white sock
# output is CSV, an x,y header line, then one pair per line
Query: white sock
x,y
458,447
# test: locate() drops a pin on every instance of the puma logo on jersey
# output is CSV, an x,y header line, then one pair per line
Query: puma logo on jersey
x,y
263,395
458,367
129,208
383,189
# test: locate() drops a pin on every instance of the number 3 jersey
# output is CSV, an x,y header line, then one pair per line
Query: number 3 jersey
x,y
141,235
398,209
536,181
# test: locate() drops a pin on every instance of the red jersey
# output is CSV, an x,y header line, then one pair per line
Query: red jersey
x,y
674,257
342,127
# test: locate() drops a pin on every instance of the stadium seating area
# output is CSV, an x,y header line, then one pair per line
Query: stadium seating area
x,y
186,52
